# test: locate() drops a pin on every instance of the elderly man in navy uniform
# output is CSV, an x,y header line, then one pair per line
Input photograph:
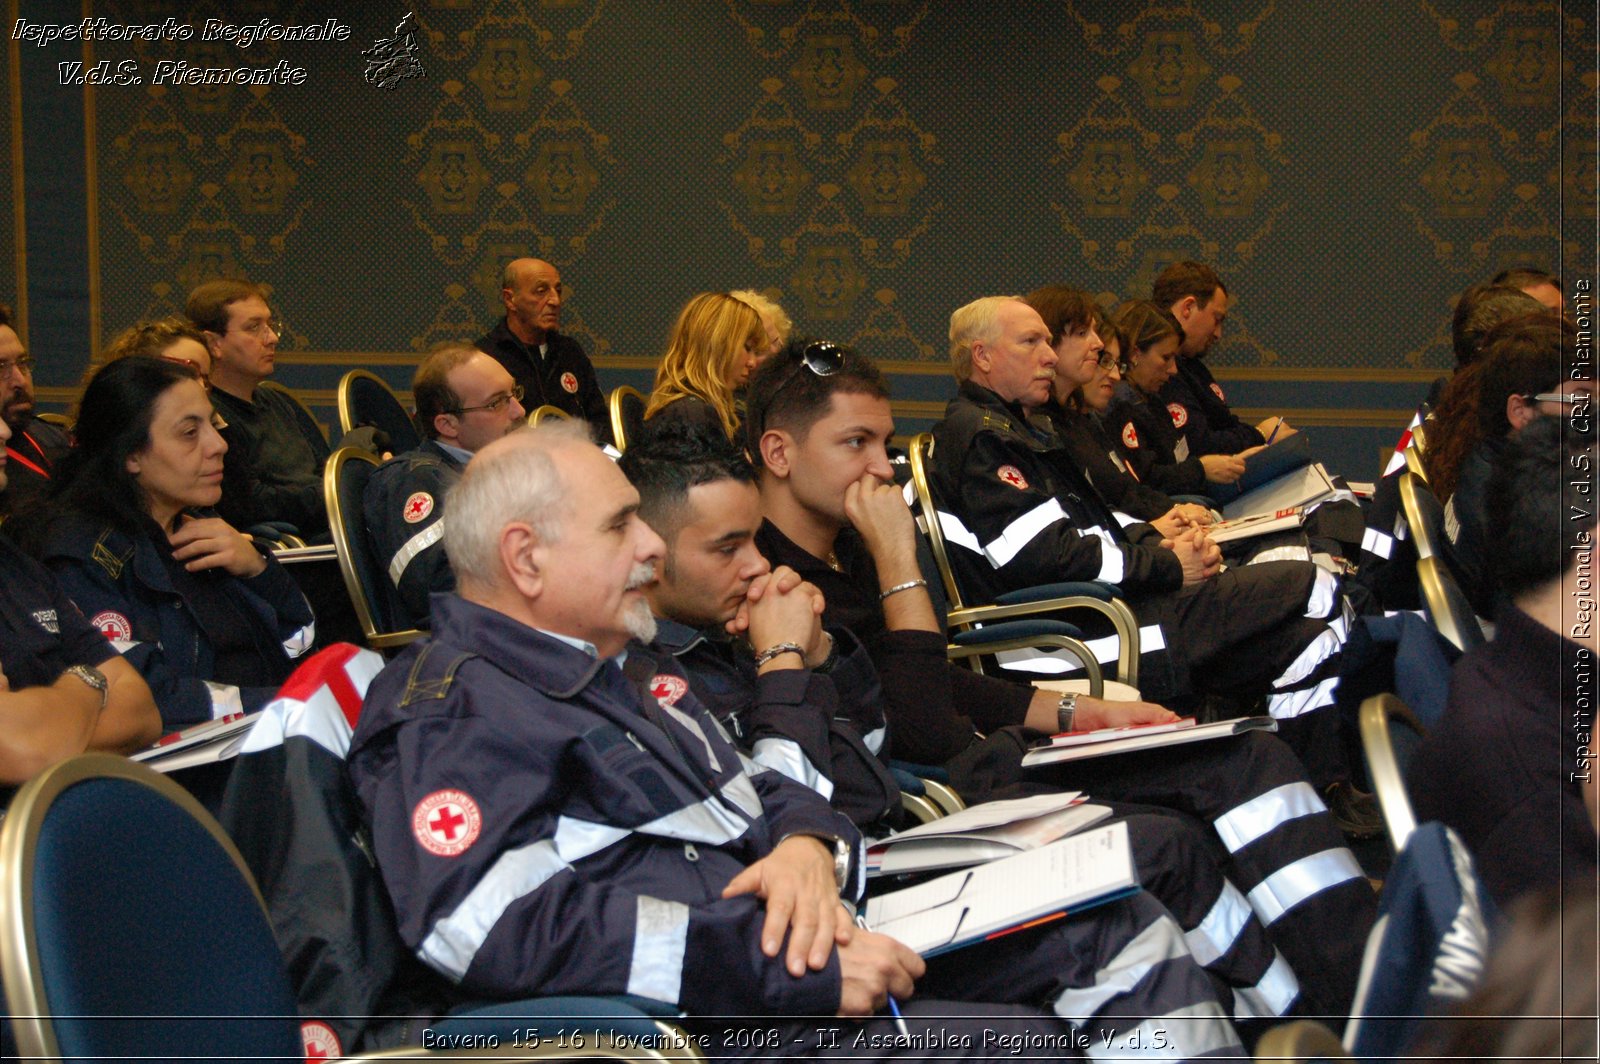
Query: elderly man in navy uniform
x,y
555,812
465,400
551,367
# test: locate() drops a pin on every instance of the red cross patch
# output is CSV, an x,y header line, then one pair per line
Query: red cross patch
x,y
320,1041
569,383
1179,414
668,689
447,822
1130,438
417,507
112,625
1013,476
1216,390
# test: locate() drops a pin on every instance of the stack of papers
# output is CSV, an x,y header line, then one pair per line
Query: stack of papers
x,y
201,744
982,833
1301,487
1256,525
1000,897
1078,746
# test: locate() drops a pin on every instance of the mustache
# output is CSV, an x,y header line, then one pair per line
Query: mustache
x,y
642,573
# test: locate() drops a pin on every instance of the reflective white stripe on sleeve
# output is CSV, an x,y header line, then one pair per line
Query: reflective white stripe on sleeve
x,y
1271,997
785,757
412,547
1324,594
1291,704
1022,531
1293,884
1054,662
958,534
1158,943
1248,821
1452,523
1215,935
873,740
455,939
1401,529
224,699
909,491
1112,564
1396,461
1125,519
660,938
301,641
611,452
1375,542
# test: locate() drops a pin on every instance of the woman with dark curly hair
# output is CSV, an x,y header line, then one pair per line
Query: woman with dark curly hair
x,y
211,621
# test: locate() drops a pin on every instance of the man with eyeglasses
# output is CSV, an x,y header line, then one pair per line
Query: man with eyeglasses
x,y
35,446
273,468
465,400
551,367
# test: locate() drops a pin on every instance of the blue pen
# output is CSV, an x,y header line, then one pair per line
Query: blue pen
x,y
1275,429
894,1006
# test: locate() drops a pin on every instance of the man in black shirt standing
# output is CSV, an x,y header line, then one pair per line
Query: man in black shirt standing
x,y
551,367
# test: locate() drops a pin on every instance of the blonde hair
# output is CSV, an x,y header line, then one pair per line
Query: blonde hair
x,y
707,342
769,311
977,321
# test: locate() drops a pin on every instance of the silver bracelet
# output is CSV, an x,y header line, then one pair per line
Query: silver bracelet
x,y
780,648
907,586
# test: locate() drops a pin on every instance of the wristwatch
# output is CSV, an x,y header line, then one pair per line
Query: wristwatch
x,y
1066,709
842,852
91,676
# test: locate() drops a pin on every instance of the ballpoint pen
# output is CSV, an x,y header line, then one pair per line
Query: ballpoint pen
x,y
1275,429
894,1006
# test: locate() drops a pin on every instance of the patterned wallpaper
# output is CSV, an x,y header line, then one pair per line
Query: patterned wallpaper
x,y
872,163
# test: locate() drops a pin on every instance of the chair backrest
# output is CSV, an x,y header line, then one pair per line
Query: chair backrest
x,y
921,454
1423,513
547,411
1414,463
276,387
366,399
627,414
60,421
1447,606
1386,764
132,928
1300,1042
377,606
1419,438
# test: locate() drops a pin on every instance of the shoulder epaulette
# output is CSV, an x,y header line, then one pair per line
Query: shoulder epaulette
x,y
434,687
108,559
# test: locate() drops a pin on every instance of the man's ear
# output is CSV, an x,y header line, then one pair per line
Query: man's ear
x,y
1519,412
1185,308
506,295
982,360
446,426
214,345
523,558
777,452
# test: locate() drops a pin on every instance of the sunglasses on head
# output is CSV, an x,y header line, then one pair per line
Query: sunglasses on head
x,y
822,357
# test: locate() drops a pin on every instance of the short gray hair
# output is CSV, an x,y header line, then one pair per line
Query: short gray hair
x,y
977,321
513,479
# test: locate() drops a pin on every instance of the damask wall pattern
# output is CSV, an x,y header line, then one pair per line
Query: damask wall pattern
x,y
871,163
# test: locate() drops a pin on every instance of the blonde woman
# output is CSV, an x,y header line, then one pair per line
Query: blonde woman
x,y
714,346
777,324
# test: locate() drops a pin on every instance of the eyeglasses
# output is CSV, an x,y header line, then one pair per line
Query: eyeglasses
x,y
253,328
200,374
497,404
22,364
1564,398
1107,360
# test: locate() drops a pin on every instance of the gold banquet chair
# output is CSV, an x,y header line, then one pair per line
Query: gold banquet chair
x,y
541,413
626,406
1018,619
1384,764
364,398
372,593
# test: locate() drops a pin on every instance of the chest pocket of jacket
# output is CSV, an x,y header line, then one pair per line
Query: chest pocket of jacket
x,y
623,757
